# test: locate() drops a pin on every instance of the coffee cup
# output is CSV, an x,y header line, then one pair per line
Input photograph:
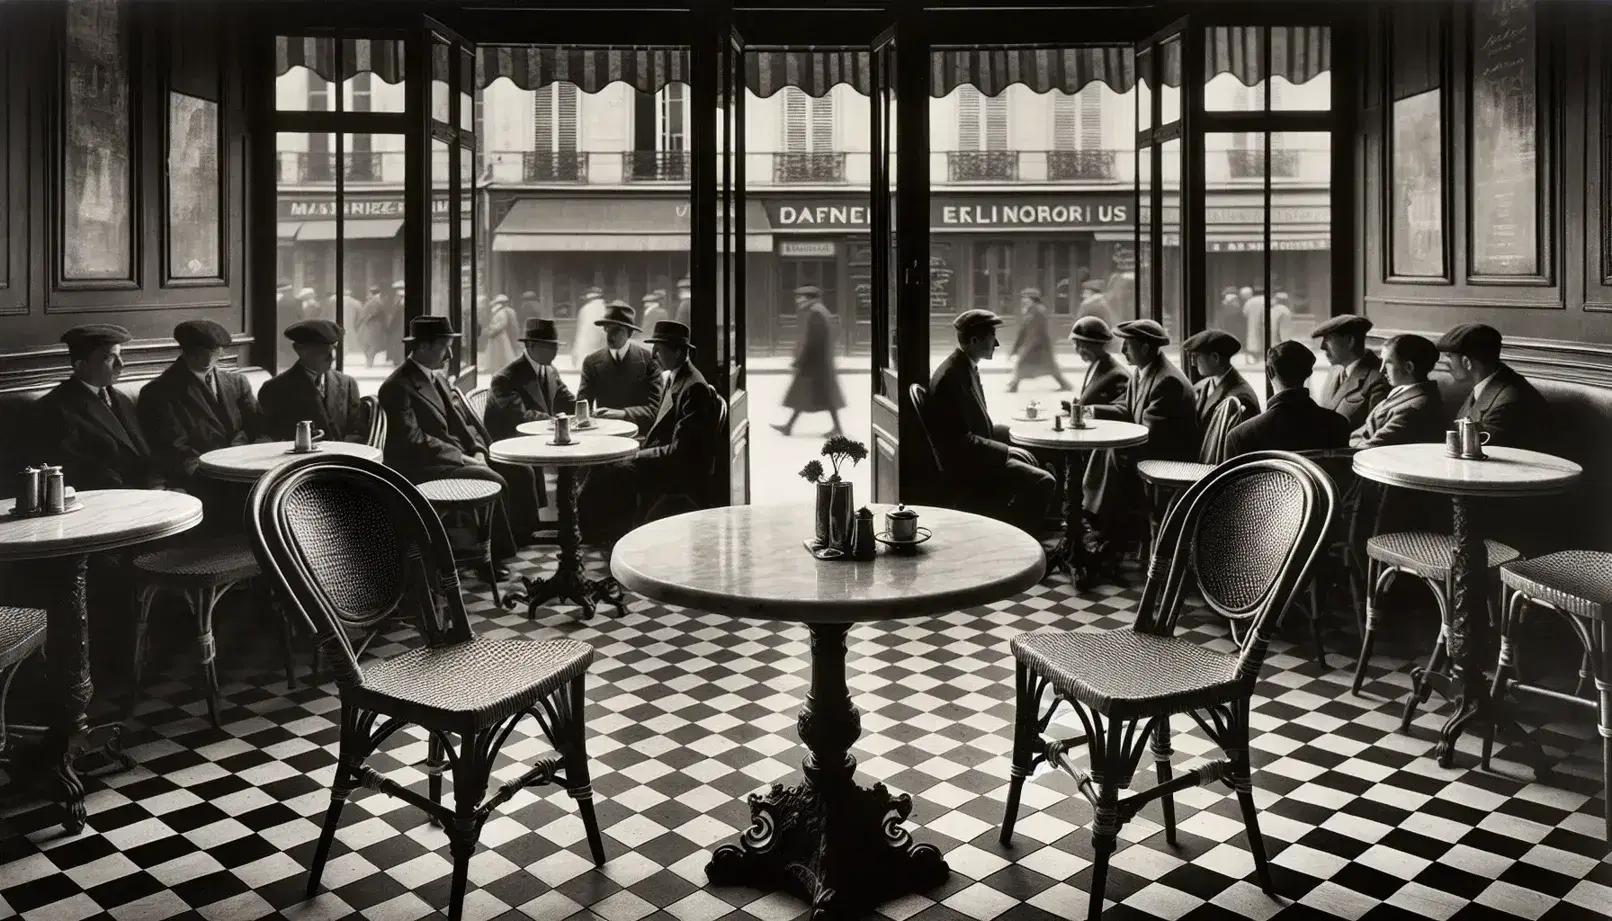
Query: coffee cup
x,y
902,524
1452,443
306,436
584,412
1031,410
562,429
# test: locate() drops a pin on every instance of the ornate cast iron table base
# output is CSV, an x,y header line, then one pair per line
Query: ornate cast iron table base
x,y
1071,556
839,845
569,582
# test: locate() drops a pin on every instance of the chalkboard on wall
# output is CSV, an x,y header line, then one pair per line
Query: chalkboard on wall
x,y
1505,135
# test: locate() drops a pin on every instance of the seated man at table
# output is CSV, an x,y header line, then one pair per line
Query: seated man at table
x,y
671,472
312,390
195,406
529,389
87,425
1292,421
622,380
981,469
1212,351
1356,383
431,435
1502,401
1106,379
1159,397
1412,413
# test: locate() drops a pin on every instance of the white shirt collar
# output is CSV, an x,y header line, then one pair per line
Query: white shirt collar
x,y
423,369
620,353
202,375
91,387
1477,389
535,366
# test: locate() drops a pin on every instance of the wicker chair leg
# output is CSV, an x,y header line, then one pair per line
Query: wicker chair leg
x,y
1026,736
202,602
1504,669
1375,588
353,750
1585,674
1422,687
145,596
436,764
1161,764
287,643
1242,782
484,534
1106,821
1315,619
470,774
575,733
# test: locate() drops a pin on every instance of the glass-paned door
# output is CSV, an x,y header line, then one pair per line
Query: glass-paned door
x,y
1163,156
732,252
439,188
886,255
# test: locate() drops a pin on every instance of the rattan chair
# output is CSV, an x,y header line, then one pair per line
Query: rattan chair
x,y
477,401
1246,536
1166,480
22,633
345,537
377,423
1343,556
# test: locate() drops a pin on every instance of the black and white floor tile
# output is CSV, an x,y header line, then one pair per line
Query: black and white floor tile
x,y
688,712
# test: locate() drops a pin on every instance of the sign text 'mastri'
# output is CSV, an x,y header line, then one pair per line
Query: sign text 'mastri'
x,y
324,209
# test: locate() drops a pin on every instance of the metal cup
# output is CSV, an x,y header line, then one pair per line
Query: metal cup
x,y
562,429
584,412
1473,438
28,489
1452,443
306,436
1077,415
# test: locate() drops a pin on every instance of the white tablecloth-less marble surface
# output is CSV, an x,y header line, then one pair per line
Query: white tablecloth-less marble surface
x,y
1070,555
1099,434
618,427
1504,472
110,519
747,561
246,463
586,451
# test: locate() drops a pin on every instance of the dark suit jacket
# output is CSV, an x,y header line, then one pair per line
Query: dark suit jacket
x,y
1160,397
1105,382
1511,411
679,445
632,385
1414,415
181,424
517,395
959,424
97,447
1292,422
1354,396
426,431
1210,393
291,397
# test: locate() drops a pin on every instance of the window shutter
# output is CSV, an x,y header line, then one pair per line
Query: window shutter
x,y
796,126
822,124
543,120
565,134
996,122
1066,134
1091,117
968,118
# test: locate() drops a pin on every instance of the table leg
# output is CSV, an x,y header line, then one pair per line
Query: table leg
x,y
569,583
67,676
1070,556
840,845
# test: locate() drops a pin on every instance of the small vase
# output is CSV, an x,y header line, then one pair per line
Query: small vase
x,y
836,515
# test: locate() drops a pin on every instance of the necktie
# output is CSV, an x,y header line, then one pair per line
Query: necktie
x,y
213,394
319,385
106,397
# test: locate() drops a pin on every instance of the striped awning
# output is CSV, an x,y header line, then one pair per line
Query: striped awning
x,y
1298,54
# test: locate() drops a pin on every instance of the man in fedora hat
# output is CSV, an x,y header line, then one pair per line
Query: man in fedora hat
x,y
529,389
1032,345
589,337
671,473
196,406
980,468
503,328
621,379
87,425
815,387
312,390
431,434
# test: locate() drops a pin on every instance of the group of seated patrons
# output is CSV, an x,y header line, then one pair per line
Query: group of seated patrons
x,y
1365,401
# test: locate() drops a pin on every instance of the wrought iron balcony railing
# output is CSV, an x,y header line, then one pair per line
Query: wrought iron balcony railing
x,y
1250,164
796,167
657,166
982,165
554,166
1085,165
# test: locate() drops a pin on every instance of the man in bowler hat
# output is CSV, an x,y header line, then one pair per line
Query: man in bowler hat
x,y
815,387
87,425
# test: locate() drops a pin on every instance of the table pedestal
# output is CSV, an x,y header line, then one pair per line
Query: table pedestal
x,y
1071,556
839,845
569,582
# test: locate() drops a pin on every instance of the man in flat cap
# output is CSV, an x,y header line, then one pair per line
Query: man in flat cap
x,y
654,308
431,434
1502,401
503,333
1105,379
195,406
621,378
1212,351
1356,383
1293,421
87,425
979,467
1412,413
312,390
589,336
815,387
1032,350
1160,397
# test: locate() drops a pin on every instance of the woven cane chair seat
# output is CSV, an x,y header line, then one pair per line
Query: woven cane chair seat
x,y
1128,675
22,630
1428,553
1172,474
212,563
1578,582
459,493
482,680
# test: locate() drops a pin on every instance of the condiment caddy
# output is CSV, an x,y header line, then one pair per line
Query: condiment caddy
x,y
42,491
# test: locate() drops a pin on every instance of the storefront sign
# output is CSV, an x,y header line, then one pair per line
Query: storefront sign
x,y
808,249
1213,216
361,209
1006,212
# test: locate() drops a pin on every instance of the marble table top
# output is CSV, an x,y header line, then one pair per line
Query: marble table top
x,y
1099,433
619,427
110,519
246,463
748,561
1505,472
537,451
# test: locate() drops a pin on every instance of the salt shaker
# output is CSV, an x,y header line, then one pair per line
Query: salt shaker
x,y
55,490
28,483
862,544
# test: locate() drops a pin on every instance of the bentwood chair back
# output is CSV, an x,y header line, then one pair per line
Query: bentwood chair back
x,y
477,401
377,423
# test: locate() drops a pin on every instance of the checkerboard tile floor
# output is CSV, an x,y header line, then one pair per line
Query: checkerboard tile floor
x,y
688,712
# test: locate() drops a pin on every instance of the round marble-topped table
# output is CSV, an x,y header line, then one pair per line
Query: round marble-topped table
x,y
618,427
568,582
1504,473
839,844
247,463
111,519
1070,555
